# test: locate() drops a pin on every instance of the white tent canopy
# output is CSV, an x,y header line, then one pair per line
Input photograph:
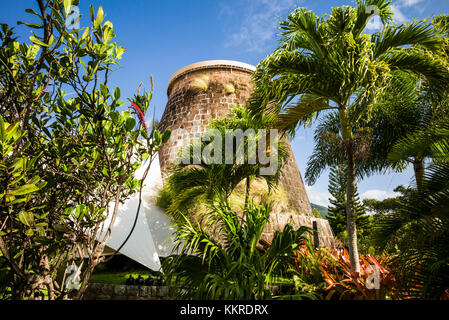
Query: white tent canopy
x,y
151,237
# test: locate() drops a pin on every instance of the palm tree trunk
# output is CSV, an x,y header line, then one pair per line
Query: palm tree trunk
x,y
419,168
351,227
350,215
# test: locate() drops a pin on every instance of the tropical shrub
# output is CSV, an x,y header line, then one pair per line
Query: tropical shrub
x,y
219,257
189,187
375,282
327,273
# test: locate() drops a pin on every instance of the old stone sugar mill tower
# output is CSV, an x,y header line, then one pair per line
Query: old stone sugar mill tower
x,y
206,90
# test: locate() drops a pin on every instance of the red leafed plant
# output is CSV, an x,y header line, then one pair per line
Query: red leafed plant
x,y
375,281
331,271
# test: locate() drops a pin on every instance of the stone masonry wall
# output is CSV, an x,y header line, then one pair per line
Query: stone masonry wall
x,y
104,291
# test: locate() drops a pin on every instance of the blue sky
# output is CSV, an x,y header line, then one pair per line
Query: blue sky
x,y
163,36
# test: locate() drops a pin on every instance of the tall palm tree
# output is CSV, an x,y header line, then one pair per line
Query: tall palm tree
x,y
405,108
328,63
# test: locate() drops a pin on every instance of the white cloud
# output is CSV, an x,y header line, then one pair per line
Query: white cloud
x,y
378,194
318,197
257,22
374,24
409,3
398,15
398,7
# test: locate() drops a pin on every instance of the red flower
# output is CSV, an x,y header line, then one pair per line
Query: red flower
x,y
139,115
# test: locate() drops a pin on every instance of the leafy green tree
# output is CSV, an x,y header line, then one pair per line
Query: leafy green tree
x,y
67,162
226,264
329,64
317,213
337,208
388,205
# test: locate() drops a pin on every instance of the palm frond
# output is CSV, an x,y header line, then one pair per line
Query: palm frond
x,y
421,63
417,33
302,112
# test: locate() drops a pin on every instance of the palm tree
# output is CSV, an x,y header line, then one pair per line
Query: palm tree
x,y
226,264
205,182
329,64
401,110
419,228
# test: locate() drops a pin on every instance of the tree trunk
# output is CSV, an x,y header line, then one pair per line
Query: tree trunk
x,y
348,139
248,184
419,168
350,215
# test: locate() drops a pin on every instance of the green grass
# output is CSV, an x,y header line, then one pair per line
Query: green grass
x,y
117,277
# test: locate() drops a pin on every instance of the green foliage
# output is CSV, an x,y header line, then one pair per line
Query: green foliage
x,y
419,228
337,207
323,211
327,63
316,213
65,159
205,182
219,258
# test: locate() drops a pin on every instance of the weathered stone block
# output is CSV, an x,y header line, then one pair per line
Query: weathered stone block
x,y
132,291
119,290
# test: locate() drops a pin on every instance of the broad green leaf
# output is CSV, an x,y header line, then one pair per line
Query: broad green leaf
x,y
51,41
26,218
85,33
20,163
31,25
61,228
79,211
115,116
92,13
25,189
104,90
130,124
29,10
38,42
166,135
117,93
108,34
67,7
100,17
119,52
16,201
11,130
